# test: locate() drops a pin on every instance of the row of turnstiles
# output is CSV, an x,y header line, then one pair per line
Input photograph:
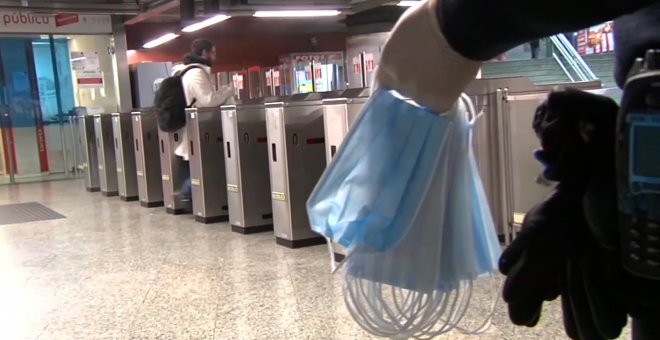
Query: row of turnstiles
x,y
253,164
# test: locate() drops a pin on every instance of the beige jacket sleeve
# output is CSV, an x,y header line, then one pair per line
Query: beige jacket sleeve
x,y
201,88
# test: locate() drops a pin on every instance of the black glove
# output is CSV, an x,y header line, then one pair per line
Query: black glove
x,y
592,295
562,250
536,259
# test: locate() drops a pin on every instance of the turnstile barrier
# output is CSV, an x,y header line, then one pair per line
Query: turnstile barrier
x,y
90,163
174,170
296,152
147,158
339,114
125,157
207,165
105,152
246,160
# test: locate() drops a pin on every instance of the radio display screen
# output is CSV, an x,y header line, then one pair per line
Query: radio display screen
x,y
646,151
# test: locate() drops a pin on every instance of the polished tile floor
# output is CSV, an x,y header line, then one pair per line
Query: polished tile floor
x,y
114,270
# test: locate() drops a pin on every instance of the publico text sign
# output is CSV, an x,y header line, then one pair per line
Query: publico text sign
x,y
66,23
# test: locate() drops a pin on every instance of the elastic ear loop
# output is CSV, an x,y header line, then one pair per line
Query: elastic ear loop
x,y
376,323
439,300
431,305
465,295
496,295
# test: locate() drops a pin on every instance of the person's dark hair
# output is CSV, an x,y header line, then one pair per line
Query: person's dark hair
x,y
200,45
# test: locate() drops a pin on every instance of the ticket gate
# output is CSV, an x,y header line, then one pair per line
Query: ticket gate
x,y
105,152
246,160
88,144
173,170
125,157
504,145
339,114
147,159
207,165
296,155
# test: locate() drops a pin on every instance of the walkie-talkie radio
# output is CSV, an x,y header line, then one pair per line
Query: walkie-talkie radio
x,y
638,168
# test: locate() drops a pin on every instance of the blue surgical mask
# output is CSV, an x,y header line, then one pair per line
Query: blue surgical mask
x,y
370,192
404,196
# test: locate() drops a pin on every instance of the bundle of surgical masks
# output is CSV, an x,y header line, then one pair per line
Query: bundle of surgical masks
x,y
404,197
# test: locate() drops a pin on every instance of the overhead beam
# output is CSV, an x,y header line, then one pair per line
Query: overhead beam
x,y
88,8
153,12
369,4
187,10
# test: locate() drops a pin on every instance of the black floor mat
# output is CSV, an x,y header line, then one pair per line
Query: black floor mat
x,y
26,212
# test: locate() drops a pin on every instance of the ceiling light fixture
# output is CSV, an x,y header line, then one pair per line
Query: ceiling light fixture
x,y
160,40
296,14
409,3
206,23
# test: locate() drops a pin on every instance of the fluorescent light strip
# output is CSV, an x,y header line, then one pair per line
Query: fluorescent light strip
x,y
296,14
160,40
409,3
206,23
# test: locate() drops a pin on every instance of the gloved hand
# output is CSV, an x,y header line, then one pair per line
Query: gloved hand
x,y
418,62
564,248
577,128
536,259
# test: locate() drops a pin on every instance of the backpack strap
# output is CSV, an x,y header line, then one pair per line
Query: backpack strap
x,y
184,71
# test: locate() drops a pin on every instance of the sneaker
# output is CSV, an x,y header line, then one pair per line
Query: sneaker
x,y
185,202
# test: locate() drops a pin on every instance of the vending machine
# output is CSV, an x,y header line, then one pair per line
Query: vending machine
x,y
362,56
312,72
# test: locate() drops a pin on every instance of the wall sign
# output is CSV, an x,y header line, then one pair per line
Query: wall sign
x,y
596,39
89,79
88,69
29,22
322,57
85,61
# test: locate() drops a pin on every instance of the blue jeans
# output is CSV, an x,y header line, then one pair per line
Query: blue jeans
x,y
185,192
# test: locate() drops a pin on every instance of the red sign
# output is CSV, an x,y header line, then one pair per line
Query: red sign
x,y
8,134
357,68
369,62
276,78
238,81
41,140
308,72
90,81
64,19
317,71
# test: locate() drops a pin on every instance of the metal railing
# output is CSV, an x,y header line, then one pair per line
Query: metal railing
x,y
563,67
572,57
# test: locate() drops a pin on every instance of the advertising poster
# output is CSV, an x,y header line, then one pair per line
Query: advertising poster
x,y
596,39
